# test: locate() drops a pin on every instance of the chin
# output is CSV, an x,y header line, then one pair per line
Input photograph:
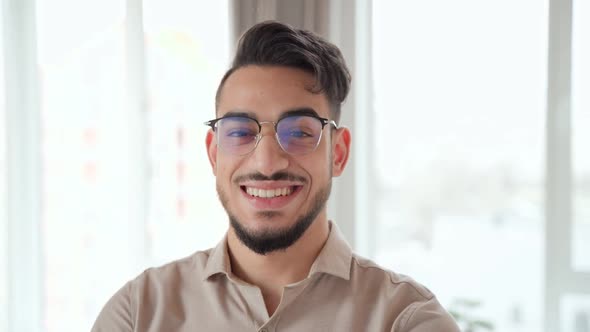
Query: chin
x,y
273,234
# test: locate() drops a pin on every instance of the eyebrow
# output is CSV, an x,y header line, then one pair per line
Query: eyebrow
x,y
240,113
299,111
289,112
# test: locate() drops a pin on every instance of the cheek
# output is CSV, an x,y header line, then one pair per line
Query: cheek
x,y
320,167
225,171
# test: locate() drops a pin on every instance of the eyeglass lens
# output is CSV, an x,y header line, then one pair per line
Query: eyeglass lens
x,y
298,134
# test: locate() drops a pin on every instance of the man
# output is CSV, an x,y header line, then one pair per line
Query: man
x,y
283,266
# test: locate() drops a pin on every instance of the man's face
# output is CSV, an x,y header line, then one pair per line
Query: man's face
x,y
298,185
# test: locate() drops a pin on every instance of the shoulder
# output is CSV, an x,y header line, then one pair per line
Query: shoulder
x,y
407,304
365,271
145,292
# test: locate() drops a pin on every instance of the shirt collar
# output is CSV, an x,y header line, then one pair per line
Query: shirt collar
x,y
334,258
218,261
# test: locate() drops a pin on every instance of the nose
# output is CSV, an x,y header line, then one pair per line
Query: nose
x,y
268,156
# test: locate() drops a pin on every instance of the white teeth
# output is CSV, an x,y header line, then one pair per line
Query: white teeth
x,y
269,193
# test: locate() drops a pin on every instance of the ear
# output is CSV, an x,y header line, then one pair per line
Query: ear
x,y
211,144
340,150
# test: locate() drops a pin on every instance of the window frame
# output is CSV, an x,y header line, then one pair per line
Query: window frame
x,y
560,277
23,167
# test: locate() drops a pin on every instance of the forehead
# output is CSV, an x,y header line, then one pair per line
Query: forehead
x,y
268,91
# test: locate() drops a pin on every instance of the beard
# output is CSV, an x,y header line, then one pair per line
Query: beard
x,y
266,241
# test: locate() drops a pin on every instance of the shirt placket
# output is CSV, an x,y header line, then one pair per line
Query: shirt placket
x,y
290,294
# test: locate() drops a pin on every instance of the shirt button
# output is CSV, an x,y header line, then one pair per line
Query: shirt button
x,y
263,330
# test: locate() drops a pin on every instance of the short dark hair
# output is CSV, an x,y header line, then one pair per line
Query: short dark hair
x,y
272,43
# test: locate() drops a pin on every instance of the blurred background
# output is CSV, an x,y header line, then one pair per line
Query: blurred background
x,y
470,168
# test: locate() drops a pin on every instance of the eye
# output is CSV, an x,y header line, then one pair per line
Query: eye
x,y
299,133
240,133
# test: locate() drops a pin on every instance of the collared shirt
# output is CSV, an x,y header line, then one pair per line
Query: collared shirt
x,y
343,292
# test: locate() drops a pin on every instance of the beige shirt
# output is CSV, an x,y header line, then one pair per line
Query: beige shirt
x,y
343,292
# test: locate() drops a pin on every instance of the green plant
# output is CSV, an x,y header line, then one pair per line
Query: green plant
x,y
463,312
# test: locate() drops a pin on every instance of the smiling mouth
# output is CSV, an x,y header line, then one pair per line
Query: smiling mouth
x,y
270,193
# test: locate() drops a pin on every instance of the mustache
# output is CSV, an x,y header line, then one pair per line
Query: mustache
x,y
278,176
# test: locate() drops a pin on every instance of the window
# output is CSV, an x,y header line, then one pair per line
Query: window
x,y
186,58
459,131
85,165
124,96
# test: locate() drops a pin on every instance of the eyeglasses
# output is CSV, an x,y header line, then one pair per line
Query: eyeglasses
x,y
296,134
